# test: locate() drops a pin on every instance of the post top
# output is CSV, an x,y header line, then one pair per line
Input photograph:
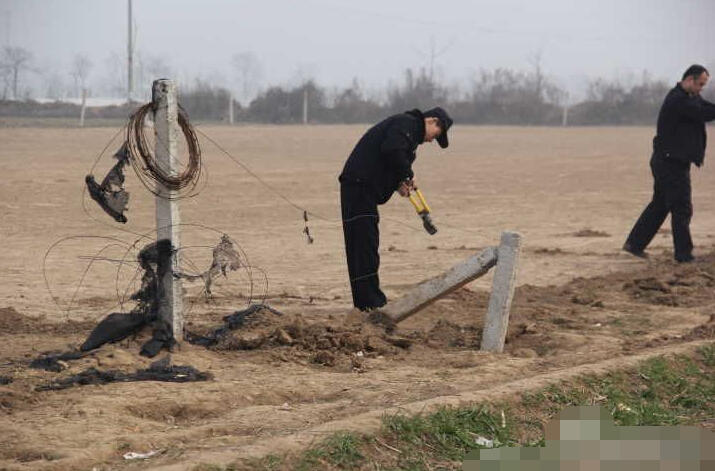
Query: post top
x,y
160,88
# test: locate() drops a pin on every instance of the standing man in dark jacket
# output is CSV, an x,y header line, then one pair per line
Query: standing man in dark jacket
x,y
680,141
379,165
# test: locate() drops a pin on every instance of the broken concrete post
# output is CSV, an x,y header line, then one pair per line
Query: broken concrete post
x,y
497,320
431,290
167,207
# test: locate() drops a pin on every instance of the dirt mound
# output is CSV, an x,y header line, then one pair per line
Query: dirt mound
x,y
12,322
685,285
704,331
544,321
175,412
328,344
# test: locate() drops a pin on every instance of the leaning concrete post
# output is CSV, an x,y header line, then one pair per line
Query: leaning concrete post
x,y
431,290
497,320
167,207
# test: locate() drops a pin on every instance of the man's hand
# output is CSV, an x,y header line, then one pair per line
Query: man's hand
x,y
406,186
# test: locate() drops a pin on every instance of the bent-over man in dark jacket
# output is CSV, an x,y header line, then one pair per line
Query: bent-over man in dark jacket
x,y
679,142
379,165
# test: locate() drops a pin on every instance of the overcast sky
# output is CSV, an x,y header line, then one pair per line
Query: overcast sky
x,y
335,41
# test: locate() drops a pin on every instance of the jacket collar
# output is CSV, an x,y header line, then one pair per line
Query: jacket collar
x,y
417,114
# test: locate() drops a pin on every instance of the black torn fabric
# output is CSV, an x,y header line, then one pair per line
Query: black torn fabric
x,y
111,195
225,258
5,380
115,327
51,361
156,372
162,337
231,322
118,325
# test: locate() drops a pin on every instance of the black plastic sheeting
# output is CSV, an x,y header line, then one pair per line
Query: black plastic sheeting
x,y
5,380
155,259
158,371
115,327
231,322
50,362
111,195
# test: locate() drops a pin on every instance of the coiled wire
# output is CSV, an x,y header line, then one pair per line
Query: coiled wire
x,y
144,162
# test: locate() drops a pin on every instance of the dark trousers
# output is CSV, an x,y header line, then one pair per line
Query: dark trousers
x,y
362,239
671,194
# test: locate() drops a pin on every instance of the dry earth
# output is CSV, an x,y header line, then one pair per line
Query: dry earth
x,y
573,194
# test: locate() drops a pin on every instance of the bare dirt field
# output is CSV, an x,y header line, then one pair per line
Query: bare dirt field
x,y
284,379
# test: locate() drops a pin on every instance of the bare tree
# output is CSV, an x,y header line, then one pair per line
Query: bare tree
x,y
149,67
54,85
16,60
116,75
250,72
79,70
6,77
538,76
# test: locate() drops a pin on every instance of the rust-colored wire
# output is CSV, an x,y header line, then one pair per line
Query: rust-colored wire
x,y
144,161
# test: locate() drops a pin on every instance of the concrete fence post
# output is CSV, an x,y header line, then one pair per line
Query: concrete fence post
x,y
497,320
431,290
167,207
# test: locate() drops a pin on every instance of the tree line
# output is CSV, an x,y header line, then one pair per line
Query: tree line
x,y
501,96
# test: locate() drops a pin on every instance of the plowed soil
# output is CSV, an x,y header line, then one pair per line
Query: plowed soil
x,y
571,193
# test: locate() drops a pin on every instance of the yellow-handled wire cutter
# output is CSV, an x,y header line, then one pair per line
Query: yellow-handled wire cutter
x,y
423,210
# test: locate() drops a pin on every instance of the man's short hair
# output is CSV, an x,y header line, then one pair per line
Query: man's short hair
x,y
695,71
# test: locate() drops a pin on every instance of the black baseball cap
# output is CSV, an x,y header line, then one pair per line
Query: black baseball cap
x,y
445,121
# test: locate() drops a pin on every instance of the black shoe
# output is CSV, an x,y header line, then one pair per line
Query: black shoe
x,y
685,259
636,253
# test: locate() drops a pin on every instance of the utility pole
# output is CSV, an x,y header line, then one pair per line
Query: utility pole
x,y
432,54
305,104
565,111
230,107
130,54
84,107
8,25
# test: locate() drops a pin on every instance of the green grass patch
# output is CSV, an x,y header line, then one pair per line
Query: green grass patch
x,y
676,390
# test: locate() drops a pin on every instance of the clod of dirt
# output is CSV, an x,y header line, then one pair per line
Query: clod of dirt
x,y
449,334
324,358
399,341
651,290
590,233
283,337
703,331
525,353
358,363
651,284
549,251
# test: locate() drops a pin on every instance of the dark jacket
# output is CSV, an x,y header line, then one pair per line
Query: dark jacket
x,y
383,157
681,126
